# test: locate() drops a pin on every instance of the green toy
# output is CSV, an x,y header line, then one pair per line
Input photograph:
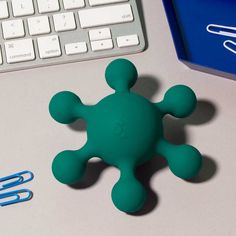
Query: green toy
x,y
125,130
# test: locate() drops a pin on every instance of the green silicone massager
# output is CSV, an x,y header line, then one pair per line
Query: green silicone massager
x,y
125,130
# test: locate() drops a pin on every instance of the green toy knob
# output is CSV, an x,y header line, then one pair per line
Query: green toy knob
x,y
63,107
122,192
121,75
179,101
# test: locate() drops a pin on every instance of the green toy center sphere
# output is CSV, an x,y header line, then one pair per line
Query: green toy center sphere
x,y
121,74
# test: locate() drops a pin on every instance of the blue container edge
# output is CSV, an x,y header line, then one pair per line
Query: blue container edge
x,y
179,44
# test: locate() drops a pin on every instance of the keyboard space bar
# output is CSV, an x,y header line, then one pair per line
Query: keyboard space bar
x,y
105,15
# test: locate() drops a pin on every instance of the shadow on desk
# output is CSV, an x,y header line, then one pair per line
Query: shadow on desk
x,y
174,131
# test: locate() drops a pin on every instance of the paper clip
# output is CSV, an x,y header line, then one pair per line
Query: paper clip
x,y
222,30
17,195
19,178
230,45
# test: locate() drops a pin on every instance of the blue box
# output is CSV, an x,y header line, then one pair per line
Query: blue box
x,y
204,34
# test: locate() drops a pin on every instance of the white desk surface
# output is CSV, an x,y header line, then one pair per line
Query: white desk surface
x,y
30,139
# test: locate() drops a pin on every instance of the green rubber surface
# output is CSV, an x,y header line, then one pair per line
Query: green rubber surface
x,y
125,130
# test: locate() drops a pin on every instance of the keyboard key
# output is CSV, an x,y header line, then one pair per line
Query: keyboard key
x,y
49,46
39,25
76,48
127,41
101,45
19,51
22,7
46,6
13,29
64,21
101,2
4,13
105,15
99,34
35,33
73,4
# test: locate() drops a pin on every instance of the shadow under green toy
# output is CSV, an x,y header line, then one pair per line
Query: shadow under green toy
x,y
125,130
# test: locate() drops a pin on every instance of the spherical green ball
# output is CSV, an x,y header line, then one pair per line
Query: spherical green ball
x,y
128,196
62,107
121,74
180,94
187,161
67,168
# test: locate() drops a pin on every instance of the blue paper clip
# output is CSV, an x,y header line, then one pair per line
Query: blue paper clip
x,y
18,179
16,195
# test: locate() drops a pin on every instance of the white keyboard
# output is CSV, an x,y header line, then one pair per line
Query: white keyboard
x,y
35,33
